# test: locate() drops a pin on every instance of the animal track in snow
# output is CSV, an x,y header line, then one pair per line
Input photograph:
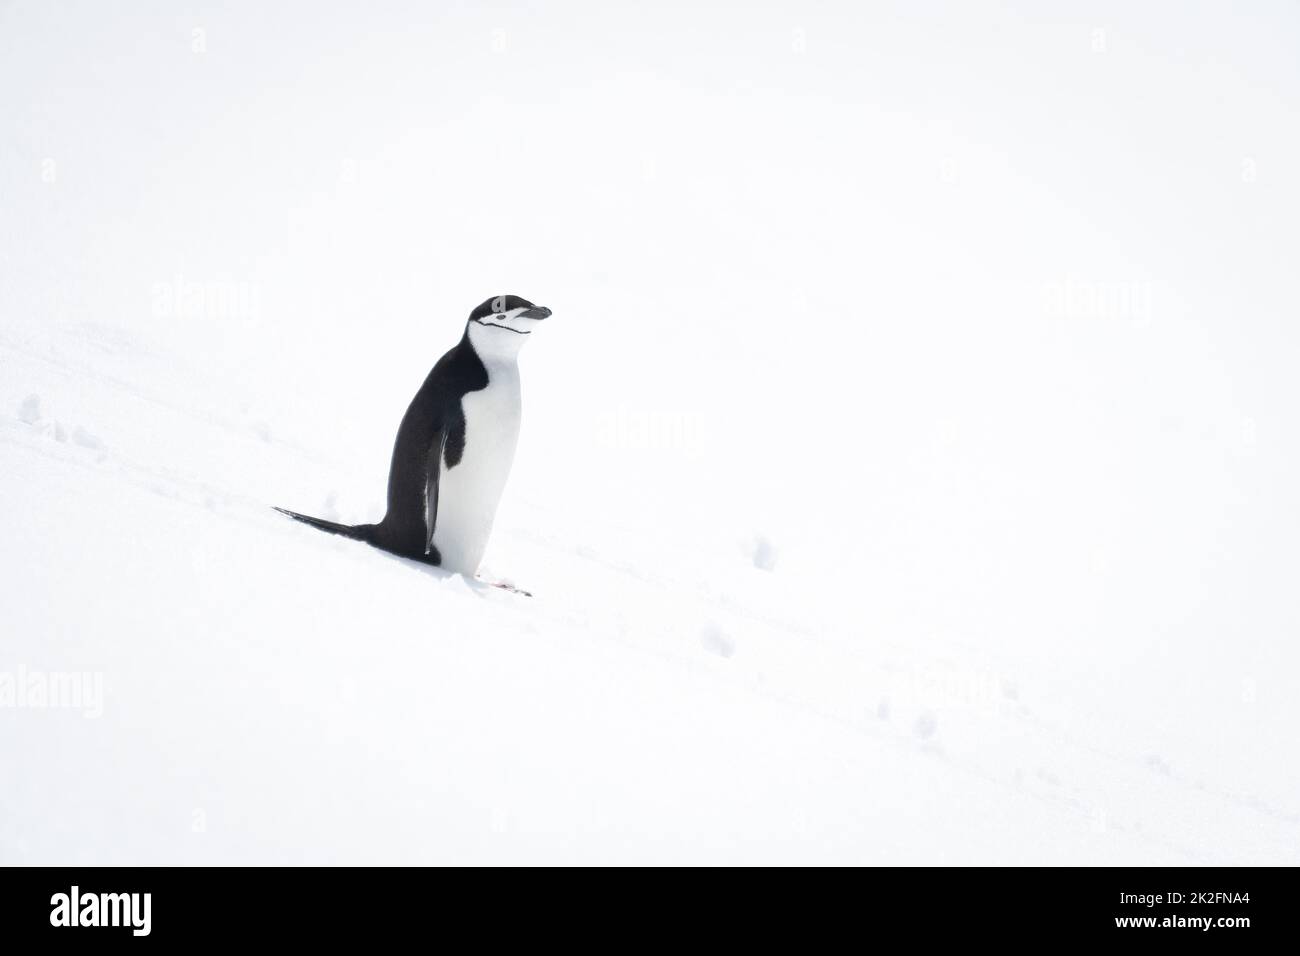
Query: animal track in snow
x,y
1157,764
86,440
764,553
713,640
29,412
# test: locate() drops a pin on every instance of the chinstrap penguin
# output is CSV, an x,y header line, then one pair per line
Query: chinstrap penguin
x,y
455,445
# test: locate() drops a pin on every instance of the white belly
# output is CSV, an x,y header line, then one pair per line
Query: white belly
x,y
468,494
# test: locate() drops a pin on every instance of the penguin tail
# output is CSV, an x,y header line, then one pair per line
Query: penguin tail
x,y
360,532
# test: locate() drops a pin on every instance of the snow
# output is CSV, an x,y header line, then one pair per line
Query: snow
x,y
907,475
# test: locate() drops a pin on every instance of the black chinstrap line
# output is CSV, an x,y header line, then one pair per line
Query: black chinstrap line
x,y
506,327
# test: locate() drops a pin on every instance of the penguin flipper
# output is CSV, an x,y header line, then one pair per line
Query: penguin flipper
x,y
432,473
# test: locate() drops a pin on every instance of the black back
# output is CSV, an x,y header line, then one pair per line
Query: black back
x,y
435,417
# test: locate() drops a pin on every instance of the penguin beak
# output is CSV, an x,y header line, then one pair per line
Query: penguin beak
x,y
540,312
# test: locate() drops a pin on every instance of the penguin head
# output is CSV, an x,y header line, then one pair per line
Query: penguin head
x,y
501,325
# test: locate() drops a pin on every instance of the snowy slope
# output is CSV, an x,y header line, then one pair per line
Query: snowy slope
x,y
903,478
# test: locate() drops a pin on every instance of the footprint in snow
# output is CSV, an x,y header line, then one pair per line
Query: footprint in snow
x,y
86,440
764,553
715,642
29,412
1157,764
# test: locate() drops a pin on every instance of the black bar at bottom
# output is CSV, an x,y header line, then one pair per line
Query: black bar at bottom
x,y
1226,906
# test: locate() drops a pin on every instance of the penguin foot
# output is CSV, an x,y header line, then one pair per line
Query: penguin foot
x,y
509,587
